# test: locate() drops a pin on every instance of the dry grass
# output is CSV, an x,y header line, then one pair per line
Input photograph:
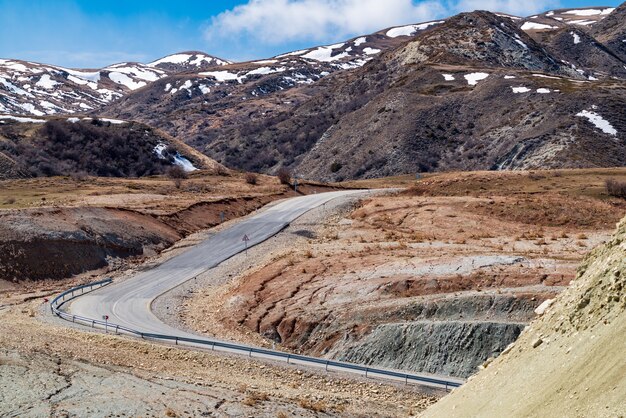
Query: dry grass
x,y
316,406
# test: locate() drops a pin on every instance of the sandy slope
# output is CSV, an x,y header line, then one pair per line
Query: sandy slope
x,y
577,367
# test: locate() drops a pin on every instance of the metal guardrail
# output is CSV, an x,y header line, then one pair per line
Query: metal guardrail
x,y
368,372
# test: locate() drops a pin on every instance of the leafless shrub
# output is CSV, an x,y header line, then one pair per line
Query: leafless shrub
x,y
252,178
9,201
177,174
616,188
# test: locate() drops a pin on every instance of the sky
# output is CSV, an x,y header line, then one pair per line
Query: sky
x,y
95,33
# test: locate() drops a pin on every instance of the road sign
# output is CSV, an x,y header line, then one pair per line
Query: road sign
x,y
105,317
245,239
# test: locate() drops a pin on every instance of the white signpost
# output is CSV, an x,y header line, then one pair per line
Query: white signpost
x,y
106,323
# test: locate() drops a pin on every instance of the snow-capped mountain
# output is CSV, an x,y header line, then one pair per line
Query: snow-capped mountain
x,y
40,89
187,61
475,91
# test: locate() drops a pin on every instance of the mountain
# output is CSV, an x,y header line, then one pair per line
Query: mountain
x,y
40,89
473,92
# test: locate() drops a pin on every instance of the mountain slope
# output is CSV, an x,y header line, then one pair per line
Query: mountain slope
x,y
33,147
611,31
570,362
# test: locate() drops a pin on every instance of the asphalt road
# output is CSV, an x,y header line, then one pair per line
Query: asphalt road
x,y
128,303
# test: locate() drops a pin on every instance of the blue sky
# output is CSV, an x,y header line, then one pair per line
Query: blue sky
x,y
94,33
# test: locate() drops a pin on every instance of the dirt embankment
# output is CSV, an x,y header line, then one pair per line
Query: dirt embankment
x,y
570,362
427,283
52,228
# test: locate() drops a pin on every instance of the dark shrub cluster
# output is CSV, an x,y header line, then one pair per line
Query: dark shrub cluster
x,y
91,148
616,188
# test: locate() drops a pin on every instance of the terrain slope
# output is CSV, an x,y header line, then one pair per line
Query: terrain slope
x,y
570,362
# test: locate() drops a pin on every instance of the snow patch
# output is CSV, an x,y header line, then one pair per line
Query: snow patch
x,y
521,89
46,82
598,121
410,29
536,26
589,12
222,76
126,81
22,119
324,53
371,51
576,37
179,160
359,41
474,78
448,77
543,91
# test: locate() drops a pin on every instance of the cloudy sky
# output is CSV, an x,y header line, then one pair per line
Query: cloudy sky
x,y
94,33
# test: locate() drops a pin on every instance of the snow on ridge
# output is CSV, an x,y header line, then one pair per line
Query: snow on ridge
x,y
360,41
598,121
371,51
222,76
324,53
46,82
474,78
536,26
582,22
410,29
589,12
125,80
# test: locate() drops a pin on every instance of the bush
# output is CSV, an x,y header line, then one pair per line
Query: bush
x,y
616,188
177,174
284,176
252,178
336,166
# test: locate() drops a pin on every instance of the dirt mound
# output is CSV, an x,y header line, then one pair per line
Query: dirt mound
x,y
570,362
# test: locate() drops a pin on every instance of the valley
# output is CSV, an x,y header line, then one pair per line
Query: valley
x,y
436,200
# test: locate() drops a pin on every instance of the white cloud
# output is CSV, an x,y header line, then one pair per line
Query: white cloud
x,y
276,22
280,21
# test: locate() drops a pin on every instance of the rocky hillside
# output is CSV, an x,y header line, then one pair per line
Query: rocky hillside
x,y
570,362
424,104
34,147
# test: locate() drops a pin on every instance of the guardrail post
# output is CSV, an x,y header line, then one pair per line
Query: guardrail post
x,y
446,386
250,353
176,340
326,365
366,370
213,346
73,318
93,323
117,327
288,357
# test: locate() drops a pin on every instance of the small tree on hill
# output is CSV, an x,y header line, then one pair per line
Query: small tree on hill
x,y
284,176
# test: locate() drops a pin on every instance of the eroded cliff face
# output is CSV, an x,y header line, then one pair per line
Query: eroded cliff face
x,y
571,361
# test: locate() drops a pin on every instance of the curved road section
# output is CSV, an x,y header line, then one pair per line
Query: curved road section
x,y
128,303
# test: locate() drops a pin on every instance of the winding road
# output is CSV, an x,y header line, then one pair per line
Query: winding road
x,y
128,303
